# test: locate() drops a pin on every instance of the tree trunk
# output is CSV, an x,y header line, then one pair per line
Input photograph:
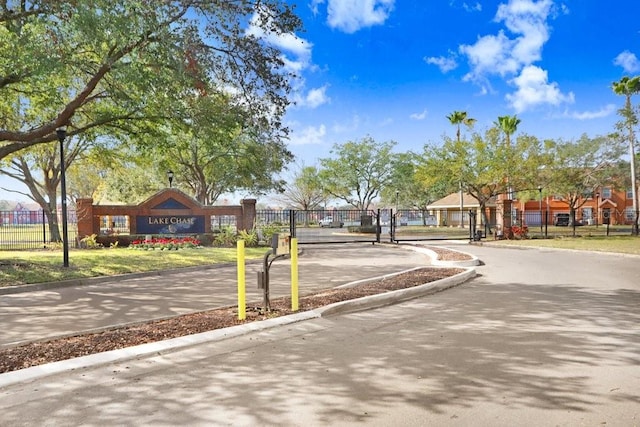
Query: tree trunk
x,y
54,227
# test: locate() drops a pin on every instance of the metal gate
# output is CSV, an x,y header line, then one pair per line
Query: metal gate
x,y
324,226
335,226
407,225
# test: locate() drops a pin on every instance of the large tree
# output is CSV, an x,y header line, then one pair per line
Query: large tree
x,y
578,168
304,190
480,164
358,171
217,149
628,86
407,188
125,64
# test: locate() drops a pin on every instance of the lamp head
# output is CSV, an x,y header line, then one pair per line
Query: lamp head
x,y
62,133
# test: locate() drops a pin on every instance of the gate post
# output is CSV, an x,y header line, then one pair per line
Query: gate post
x,y
248,214
85,220
292,222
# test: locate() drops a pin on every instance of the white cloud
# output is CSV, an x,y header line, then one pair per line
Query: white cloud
x,y
314,6
534,89
628,61
419,116
352,15
606,111
511,53
499,54
445,64
296,51
308,136
477,7
314,98
296,57
490,55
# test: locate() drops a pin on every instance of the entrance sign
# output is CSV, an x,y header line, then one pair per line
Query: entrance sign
x,y
168,212
175,224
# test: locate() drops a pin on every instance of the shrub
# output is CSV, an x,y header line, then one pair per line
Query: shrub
x,y
165,244
226,237
90,242
250,237
268,230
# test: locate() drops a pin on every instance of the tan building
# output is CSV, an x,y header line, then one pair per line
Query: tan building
x,y
453,212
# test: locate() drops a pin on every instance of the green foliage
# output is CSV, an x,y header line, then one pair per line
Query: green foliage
x,y
268,230
304,191
106,66
165,243
358,171
250,237
226,237
578,168
90,242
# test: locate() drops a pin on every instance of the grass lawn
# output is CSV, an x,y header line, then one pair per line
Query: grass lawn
x,y
23,267
618,244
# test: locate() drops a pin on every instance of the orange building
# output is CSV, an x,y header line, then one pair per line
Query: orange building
x,y
606,205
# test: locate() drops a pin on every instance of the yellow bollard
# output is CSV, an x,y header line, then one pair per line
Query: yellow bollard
x,y
242,295
294,274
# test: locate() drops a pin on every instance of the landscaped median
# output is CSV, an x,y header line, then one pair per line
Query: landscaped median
x,y
31,360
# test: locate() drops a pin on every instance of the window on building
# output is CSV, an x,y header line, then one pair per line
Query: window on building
x,y
628,214
629,193
606,192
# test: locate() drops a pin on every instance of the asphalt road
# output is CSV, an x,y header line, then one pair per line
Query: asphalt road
x,y
539,338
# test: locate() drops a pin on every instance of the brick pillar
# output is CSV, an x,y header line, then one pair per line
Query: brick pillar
x,y
504,219
248,214
84,211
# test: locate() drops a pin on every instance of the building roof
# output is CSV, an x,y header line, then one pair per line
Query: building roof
x,y
452,201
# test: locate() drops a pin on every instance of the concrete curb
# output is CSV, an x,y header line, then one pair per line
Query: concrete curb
x,y
471,262
394,297
174,344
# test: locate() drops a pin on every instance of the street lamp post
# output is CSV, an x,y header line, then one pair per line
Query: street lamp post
x,y
540,206
170,176
597,208
62,134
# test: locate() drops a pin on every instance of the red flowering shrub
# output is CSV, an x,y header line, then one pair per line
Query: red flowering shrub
x,y
520,232
165,244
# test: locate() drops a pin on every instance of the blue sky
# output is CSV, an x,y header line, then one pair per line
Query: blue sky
x,y
394,69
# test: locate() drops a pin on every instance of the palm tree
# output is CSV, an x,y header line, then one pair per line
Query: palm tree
x,y
508,125
458,118
628,86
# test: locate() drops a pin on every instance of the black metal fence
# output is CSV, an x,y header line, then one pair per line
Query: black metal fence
x,y
30,229
322,225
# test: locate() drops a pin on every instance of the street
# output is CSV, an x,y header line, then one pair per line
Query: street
x,y
539,338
